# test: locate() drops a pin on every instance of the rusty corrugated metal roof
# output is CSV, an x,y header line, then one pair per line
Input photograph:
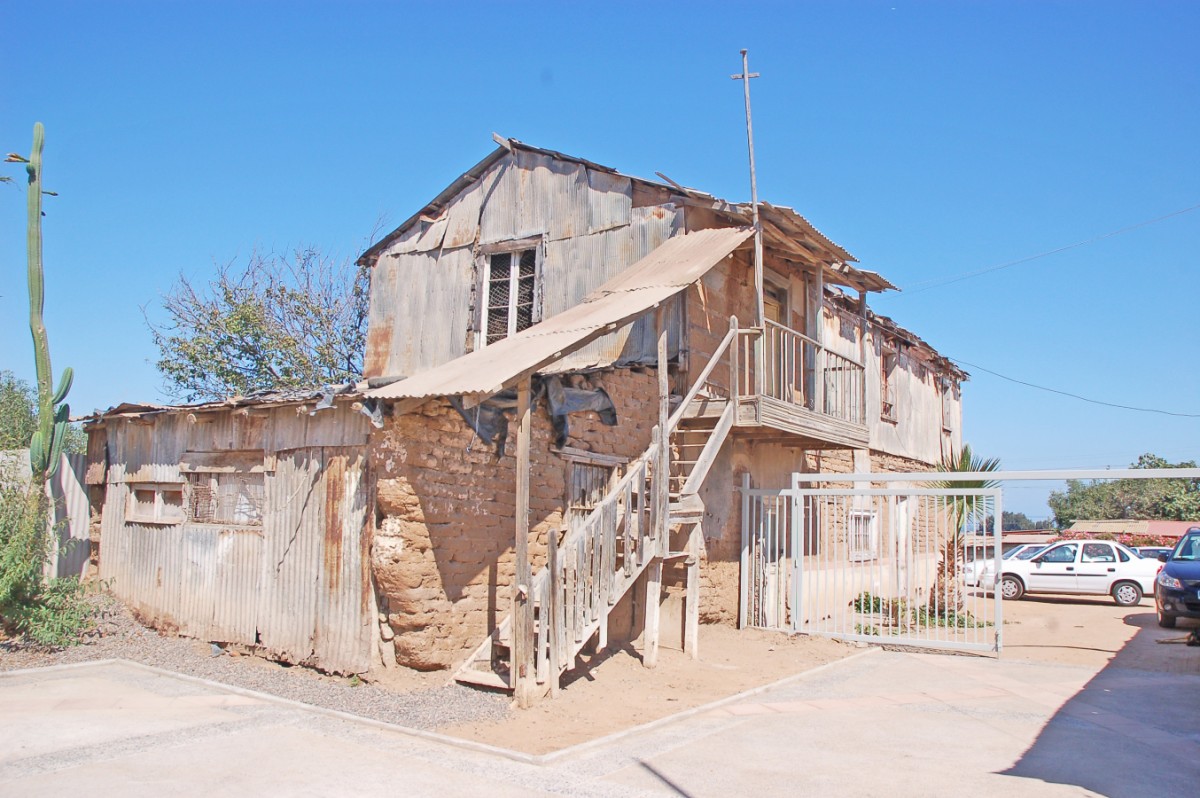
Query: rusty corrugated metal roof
x,y
655,278
785,230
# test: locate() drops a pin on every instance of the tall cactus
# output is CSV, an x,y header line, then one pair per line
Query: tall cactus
x,y
46,445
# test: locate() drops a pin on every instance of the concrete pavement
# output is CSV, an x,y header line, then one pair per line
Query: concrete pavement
x,y
887,723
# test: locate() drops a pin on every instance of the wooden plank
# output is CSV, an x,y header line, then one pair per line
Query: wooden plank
x,y
223,462
522,612
628,531
483,679
653,613
541,652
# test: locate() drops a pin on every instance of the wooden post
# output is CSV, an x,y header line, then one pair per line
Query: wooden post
x,y
862,356
552,612
691,629
744,577
661,499
734,377
523,676
819,336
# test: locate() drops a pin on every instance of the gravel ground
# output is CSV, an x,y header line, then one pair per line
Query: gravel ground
x,y
119,636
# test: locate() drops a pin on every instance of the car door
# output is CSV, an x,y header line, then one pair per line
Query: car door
x,y
1053,571
1097,568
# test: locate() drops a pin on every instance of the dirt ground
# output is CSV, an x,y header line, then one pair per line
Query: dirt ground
x,y
620,693
1094,631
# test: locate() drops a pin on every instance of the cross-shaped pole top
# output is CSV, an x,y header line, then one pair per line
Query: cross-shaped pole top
x,y
745,74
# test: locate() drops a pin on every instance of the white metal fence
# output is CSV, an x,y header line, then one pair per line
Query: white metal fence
x,y
882,565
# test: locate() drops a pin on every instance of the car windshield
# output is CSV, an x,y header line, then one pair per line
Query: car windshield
x,y
1188,548
1029,553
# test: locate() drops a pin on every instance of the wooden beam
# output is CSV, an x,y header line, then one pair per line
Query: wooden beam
x,y
522,653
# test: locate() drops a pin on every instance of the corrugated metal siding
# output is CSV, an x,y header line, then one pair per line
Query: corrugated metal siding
x,y
69,521
292,532
592,232
300,581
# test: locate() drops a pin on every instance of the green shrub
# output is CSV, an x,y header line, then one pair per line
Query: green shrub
x,y
53,613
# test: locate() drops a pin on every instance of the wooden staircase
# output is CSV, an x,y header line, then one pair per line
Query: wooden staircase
x,y
626,535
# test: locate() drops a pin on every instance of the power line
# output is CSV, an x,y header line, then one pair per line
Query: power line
x,y
938,282
1074,395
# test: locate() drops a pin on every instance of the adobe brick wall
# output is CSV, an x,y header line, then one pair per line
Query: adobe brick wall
x,y
443,555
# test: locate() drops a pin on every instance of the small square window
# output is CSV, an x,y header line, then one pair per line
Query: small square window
x,y
155,503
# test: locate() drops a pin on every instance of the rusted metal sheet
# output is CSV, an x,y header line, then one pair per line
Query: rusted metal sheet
x,y
343,622
297,579
654,279
411,288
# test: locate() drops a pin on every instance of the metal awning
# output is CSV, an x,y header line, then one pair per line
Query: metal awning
x,y
666,271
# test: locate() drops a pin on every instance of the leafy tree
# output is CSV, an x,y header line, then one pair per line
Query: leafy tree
x,y
18,416
1133,499
277,323
18,412
1011,521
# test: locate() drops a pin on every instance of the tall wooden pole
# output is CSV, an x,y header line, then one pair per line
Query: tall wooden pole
x,y
523,676
758,245
661,499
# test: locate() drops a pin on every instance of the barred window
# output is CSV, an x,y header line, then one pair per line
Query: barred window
x,y
511,294
864,536
224,498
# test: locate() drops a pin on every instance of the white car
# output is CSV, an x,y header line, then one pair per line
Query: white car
x,y
1086,567
982,572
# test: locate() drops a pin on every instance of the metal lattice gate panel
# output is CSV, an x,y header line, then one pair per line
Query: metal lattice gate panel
x,y
895,565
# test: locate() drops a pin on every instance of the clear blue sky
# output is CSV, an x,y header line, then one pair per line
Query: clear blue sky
x,y
930,139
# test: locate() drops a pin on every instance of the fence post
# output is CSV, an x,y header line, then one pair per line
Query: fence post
x,y
744,581
795,529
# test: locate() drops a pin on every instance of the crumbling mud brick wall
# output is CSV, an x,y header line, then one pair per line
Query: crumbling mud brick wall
x,y
443,557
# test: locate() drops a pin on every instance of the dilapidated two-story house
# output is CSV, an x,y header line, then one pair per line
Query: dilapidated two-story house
x,y
570,376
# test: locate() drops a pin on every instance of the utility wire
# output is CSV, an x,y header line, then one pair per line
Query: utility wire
x,y
1074,395
938,282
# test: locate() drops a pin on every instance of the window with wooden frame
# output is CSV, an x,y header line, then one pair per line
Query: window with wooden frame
x,y
775,299
510,289
155,503
229,498
947,389
887,385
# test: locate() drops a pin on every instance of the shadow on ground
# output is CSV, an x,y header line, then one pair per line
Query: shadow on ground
x,y
1133,729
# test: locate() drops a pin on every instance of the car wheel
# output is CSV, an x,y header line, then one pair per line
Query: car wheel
x,y
1127,594
1011,588
1165,620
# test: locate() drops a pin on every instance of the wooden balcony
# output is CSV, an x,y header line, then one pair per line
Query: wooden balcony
x,y
789,385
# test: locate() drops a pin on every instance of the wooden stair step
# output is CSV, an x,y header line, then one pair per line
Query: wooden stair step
x,y
484,679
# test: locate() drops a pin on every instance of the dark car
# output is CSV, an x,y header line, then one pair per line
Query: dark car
x,y
1177,588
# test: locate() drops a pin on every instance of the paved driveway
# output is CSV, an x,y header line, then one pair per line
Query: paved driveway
x,y
885,723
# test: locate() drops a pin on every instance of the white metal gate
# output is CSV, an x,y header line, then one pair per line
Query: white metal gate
x,y
898,565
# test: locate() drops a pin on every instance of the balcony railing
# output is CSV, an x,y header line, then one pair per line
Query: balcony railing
x,y
777,362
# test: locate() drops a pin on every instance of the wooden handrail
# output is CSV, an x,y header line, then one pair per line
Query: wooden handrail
x,y
677,416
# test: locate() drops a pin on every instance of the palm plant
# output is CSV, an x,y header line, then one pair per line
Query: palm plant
x,y
964,512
